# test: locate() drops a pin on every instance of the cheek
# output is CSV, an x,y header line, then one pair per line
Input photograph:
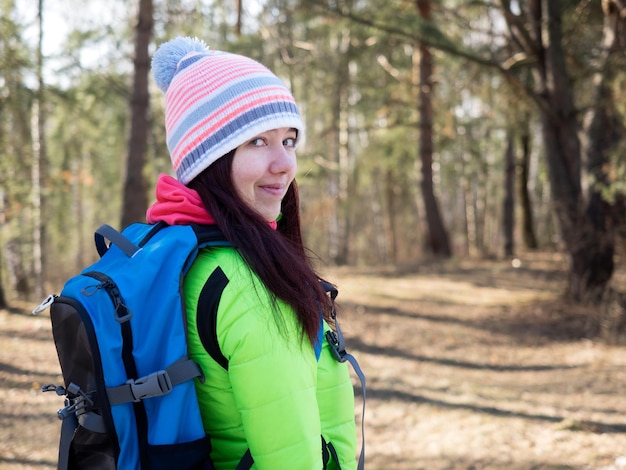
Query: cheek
x,y
241,182
238,176
294,168
244,174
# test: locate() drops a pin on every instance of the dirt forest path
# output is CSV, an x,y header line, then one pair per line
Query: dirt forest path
x,y
469,365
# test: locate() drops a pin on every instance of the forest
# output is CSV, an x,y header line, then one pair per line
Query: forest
x,y
435,129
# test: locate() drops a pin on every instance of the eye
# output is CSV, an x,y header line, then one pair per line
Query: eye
x,y
290,142
257,142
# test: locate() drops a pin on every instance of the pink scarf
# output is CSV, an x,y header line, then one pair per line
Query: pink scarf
x,y
176,204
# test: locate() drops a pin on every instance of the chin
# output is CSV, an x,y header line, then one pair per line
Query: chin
x,y
271,216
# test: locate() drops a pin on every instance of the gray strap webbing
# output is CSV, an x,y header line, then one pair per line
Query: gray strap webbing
x,y
352,360
92,422
106,232
338,348
68,427
156,384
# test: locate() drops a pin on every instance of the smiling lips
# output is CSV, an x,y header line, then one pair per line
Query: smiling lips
x,y
276,190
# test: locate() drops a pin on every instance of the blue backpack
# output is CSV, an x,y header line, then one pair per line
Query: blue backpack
x,y
120,332
119,328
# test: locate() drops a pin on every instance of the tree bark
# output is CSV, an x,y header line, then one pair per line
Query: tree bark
x,y
3,300
239,11
586,240
603,129
391,252
528,226
135,201
340,153
508,218
437,238
39,168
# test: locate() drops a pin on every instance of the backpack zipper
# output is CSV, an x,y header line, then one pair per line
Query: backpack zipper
x,y
122,312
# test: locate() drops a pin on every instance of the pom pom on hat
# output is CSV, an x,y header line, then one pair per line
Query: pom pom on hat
x,y
215,101
166,58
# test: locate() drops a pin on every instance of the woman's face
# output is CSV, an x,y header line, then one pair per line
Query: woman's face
x,y
263,168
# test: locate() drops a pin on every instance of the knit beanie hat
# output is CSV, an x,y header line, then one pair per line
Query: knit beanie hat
x,y
215,101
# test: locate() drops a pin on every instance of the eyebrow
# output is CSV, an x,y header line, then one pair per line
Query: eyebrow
x,y
291,129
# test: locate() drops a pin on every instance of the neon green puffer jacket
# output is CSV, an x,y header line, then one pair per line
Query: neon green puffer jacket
x,y
274,398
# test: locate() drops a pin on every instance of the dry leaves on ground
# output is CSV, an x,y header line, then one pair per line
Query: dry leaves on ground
x,y
469,365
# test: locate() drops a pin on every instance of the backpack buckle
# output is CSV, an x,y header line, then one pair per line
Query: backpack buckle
x,y
44,304
337,349
153,385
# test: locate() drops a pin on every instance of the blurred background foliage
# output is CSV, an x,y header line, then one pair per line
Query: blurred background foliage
x,y
434,128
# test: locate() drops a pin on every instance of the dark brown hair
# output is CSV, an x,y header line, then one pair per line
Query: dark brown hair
x,y
278,257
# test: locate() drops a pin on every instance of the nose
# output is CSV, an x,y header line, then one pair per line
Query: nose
x,y
283,160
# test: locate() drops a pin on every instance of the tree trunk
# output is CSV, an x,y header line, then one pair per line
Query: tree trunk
x,y
3,300
340,180
508,210
603,129
588,243
135,200
393,233
528,226
437,238
582,223
39,169
469,216
379,224
239,12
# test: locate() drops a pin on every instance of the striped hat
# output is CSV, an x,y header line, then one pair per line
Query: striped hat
x,y
215,101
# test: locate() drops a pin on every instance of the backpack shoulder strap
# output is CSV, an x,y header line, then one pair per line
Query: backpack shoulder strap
x,y
209,235
106,232
338,348
208,304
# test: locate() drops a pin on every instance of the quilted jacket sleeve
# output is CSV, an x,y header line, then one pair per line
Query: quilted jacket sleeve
x,y
273,374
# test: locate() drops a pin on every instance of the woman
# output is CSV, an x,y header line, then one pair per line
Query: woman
x,y
256,311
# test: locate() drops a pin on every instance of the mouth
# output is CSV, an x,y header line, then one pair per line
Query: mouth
x,y
277,190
